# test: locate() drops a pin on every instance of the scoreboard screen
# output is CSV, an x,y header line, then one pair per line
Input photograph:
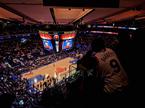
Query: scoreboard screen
x,y
68,40
67,44
46,39
57,40
47,44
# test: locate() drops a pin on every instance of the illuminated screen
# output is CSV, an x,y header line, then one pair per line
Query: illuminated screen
x,y
68,35
53,40
67,44
47,44
45,35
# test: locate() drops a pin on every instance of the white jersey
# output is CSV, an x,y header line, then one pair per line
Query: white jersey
x,y
111,71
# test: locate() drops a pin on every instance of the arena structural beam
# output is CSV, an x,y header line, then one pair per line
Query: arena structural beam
x,y
53,15
112,14
17,12
76,20
142,5
11,3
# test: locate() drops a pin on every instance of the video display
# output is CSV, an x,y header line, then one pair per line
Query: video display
x,y
57,40
45,35
47,44
67,44
68,35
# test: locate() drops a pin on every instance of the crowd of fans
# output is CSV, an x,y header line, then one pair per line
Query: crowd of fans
x,y
17,58
26,57
15,28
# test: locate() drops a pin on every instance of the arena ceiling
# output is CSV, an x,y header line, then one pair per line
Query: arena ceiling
x,y
33,11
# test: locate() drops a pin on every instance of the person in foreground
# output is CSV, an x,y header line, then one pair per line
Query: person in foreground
x,y
111,79
112,76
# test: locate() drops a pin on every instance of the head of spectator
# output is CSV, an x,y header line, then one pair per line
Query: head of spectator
x,y
98,44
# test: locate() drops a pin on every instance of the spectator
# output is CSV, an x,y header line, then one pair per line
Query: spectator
x,y
111,73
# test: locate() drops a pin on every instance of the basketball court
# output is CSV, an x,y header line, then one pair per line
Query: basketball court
x,y
57,70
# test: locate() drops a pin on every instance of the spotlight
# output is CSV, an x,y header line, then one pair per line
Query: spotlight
x,y
113,24
89,26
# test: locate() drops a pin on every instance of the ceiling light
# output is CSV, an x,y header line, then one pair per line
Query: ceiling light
x,y
89,26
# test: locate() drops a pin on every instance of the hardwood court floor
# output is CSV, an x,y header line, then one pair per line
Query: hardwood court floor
x,y
59,67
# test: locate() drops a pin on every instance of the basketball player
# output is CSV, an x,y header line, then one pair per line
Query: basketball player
x,y
109,68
